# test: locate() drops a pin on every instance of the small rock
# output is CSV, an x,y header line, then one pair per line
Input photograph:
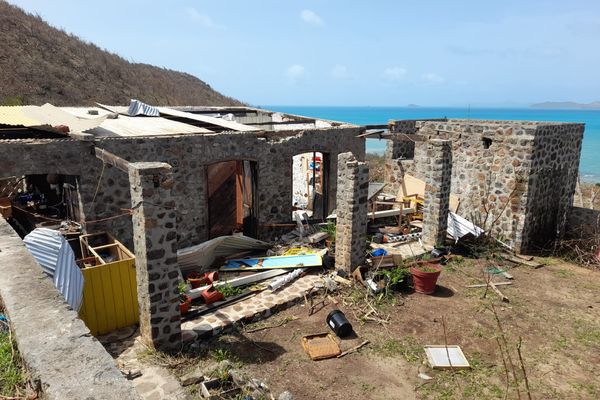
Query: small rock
x,y
191,378
285,396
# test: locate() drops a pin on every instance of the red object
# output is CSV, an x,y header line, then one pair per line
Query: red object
x,y
211,295
424,282
184,305
196,280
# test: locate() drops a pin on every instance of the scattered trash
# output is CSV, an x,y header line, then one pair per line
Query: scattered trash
x,y
299,261
219,388
321,346
446,357
204,254
424,376
338,322
379,252
284,280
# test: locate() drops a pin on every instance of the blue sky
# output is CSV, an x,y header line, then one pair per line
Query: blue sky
x,y
391,53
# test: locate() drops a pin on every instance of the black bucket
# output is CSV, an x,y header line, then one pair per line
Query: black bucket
x,y
338,323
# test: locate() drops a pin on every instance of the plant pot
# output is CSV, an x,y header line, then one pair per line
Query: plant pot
x,y
185,303
425,281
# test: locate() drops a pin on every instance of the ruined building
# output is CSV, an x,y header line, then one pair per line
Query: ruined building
x,y
513,178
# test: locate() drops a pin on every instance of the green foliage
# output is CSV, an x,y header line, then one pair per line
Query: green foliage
x,y
12,101
11,376
407,347
227,290
396,275
183,287
330,229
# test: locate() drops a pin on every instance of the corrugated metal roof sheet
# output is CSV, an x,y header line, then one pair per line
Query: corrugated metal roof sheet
x,y
57,259
236,126
144,126
459,227
45,117
15,116
136,108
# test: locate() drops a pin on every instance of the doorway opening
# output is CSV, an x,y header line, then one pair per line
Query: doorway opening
x,y
231,198
310,184
41,200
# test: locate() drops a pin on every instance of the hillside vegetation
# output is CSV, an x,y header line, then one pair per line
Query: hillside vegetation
x,y
39,64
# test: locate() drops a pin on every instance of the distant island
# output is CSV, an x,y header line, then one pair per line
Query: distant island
x,y
567,105
413,106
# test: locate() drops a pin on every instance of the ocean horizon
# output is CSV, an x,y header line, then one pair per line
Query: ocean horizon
x,y
589,167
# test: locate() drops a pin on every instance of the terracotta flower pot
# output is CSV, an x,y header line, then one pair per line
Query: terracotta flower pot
x,y
185,303
424,281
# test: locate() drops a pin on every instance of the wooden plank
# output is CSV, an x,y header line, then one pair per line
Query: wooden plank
x,y
111,159
498,292
480,285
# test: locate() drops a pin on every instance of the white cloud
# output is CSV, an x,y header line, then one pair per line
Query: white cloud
x,y
394,73
432,78
295,73
311,17
200,18
340,72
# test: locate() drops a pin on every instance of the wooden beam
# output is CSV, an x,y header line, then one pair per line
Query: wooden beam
x,y
111,159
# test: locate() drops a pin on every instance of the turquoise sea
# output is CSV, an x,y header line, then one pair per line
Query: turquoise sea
x,y
590,155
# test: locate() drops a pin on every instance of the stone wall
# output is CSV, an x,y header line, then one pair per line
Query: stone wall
x,y
583,223
437,192
63,359
351,229
502,173
155,243
104,189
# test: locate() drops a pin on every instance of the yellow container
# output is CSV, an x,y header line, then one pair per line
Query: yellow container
x,y
110,288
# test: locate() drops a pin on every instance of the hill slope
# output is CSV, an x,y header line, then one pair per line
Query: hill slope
x,y
39,64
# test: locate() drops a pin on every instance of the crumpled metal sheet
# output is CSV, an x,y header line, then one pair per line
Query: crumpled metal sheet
x,y
204,254
57,259
459,227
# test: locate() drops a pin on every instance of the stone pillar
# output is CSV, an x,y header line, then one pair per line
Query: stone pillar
x,y
155,243
351,230
438,175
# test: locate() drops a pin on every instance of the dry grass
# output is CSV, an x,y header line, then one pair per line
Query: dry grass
x,y
40,64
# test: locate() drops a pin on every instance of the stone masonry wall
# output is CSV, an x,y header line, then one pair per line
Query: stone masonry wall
x,y
551,183
437,192
351,229
498,167
583,223
155,243
105,190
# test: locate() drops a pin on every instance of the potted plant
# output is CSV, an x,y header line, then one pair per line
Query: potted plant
x,y
185,301
425,276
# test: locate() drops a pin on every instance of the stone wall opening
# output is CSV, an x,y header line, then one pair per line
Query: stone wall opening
x,y
40,200
310,186
231,187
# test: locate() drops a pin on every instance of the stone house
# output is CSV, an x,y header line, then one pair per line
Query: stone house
x,y
516,179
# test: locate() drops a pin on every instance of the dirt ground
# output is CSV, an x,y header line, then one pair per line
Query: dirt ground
x,y
554,309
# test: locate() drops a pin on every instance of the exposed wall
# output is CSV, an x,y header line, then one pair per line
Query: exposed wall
x,y
515,177
104,190
62,358
351,229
